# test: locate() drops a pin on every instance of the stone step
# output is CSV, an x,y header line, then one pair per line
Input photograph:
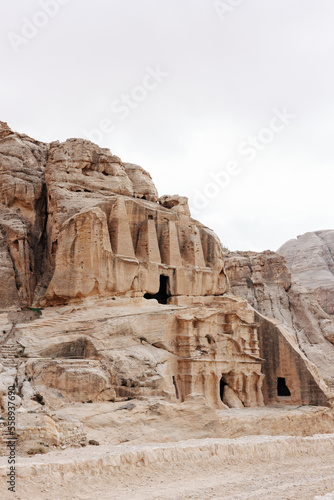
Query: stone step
x,y
8,365
54,322
8,355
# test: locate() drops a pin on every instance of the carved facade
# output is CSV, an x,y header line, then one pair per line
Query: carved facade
x,y
219,357
125,246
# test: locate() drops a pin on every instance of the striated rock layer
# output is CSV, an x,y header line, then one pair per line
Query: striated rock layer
x,y
265,281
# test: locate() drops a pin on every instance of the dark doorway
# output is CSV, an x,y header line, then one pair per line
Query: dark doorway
x,y
282,388
176,389
163,294
222,386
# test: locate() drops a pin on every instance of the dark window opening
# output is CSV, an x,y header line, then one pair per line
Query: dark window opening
x,y
163,294
176,389
282,389
222,386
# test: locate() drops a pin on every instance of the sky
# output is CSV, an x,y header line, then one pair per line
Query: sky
x,y
227,102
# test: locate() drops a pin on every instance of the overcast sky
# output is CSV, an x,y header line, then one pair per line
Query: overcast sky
x,y
229,102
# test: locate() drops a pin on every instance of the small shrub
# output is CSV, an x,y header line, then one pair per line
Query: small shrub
x,y
37,310
38,450
93,442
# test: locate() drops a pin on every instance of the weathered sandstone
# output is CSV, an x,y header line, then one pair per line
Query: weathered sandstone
x,y
114,294
22,215
310,258
266,282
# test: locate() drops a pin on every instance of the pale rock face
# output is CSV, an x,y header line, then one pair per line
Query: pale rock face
x,y
83,263
176,202
21,173
265,281
231,399
7,379
5,130
143,186
77,163
22,214
327,327
311,260
80,175
28,394
80,381
9,297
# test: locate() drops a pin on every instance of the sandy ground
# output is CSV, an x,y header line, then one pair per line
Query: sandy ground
x,y
305,476
296,479
259,467
159,421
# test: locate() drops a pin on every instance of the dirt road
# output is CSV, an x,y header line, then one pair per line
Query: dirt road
x,y
283,477
297,479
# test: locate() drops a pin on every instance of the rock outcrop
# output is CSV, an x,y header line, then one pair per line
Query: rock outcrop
x,y
311,260
265,281
106,350
113,293
22,215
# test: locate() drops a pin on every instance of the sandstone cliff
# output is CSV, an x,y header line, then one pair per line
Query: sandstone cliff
x,y
310,258
76,221
111,293
265,280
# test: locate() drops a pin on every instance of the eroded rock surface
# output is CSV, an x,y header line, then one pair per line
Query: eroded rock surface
x,y
265,280
310,258
22,215
114,294
98,205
